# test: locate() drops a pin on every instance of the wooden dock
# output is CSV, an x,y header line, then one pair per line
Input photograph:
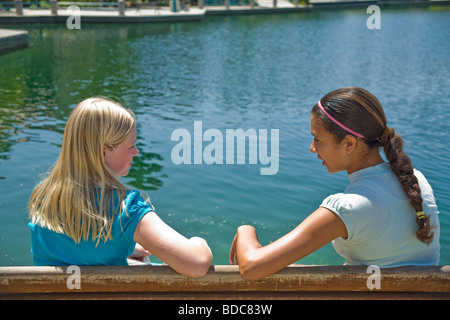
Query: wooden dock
x,y
223,282
11,40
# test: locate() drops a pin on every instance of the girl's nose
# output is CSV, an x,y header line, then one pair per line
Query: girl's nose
x,y
312,147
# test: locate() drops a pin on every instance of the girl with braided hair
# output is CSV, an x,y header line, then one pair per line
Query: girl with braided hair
x,y
387,216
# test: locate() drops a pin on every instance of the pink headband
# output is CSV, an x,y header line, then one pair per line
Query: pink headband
x,y
338,123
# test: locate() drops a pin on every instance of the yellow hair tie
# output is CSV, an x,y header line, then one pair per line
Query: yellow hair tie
x,y
420,215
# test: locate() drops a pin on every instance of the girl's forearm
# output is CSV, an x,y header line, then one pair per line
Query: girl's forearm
x,y
246,250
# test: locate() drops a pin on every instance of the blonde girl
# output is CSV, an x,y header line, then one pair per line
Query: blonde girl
x,y
387,216
81,214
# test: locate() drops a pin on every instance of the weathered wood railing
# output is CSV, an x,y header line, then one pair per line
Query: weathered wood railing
x,y
224,282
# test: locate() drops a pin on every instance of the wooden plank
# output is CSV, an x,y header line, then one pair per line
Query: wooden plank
x,y
231,295
162,282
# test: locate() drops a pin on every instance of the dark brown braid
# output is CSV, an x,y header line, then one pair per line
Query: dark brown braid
x,y
403,169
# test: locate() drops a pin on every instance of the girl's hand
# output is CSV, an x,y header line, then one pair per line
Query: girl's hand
x,y
233,256
246,239
139,253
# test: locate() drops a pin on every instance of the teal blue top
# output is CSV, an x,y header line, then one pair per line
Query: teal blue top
x,y
55,249
380,221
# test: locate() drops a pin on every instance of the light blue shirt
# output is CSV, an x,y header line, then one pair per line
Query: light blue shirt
x,y
380,221
55,249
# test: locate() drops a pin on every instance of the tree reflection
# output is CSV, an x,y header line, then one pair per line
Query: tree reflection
x,y
146,173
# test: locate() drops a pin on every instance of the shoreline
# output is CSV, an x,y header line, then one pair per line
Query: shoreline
x,y
11,40
164,14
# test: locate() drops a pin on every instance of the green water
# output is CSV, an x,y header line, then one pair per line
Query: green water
x,y
249,72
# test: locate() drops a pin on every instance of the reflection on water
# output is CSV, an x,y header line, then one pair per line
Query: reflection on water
x,y
249,72
146,174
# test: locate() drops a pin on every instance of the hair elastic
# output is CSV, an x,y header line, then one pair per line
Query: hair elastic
x,y
338,123
420,215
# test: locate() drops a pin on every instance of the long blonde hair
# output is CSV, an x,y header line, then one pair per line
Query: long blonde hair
x,y
79,196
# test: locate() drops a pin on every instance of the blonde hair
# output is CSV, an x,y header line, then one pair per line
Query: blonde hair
x,y
79,196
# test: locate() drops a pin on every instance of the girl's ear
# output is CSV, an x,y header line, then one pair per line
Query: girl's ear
x,y
350,142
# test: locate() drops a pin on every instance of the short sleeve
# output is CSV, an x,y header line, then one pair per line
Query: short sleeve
x,y
135,208
338,204
429,201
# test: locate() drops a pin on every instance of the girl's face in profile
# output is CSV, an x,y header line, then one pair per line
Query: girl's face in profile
x,y
331,152
119,159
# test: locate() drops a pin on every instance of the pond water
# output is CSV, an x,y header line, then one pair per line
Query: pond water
x,y
238,72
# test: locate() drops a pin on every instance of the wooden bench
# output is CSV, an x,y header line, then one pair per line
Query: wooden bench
x,y
224,282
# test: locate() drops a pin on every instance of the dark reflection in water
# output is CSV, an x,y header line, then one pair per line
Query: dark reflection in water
x,y
146,174
40,86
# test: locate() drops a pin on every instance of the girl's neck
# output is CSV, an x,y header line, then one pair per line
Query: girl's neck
x,y
372,158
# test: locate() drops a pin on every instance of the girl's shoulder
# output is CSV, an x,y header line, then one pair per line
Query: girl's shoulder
x,y
136,201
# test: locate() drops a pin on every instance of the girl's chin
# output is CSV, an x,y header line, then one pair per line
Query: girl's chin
x,y
330,170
